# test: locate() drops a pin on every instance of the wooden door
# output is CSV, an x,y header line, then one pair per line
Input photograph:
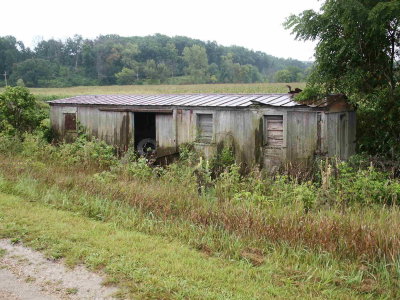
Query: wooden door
x,y
165,134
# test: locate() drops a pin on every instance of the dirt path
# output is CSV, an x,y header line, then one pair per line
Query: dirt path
x,y
27,274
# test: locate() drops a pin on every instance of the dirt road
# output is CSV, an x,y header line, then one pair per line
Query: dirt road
x,y
27,274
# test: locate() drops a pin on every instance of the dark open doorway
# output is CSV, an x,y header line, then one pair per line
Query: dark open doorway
x,y
145,132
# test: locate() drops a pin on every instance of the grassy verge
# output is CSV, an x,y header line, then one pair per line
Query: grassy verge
x,y
168,89
147,266
274,267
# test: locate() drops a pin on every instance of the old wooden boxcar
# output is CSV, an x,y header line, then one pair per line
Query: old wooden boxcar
x,y
262,129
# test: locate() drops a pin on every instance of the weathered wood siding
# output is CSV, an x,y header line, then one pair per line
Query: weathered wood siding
x,y
341,134
113,127
166,134
303,133
234,128
57,120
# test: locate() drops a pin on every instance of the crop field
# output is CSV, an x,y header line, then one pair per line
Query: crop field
x,y
251,88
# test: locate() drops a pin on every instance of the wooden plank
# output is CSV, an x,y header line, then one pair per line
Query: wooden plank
x,y
275,126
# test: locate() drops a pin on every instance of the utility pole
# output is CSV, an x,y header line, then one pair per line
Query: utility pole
x,y
5,77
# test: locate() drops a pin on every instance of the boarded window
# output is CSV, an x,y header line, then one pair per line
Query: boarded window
x,y
70,121
204,127
273,131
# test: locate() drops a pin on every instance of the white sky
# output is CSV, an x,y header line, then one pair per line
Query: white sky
x,y
254,24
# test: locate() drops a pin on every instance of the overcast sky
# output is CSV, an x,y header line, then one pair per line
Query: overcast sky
x,y
254,24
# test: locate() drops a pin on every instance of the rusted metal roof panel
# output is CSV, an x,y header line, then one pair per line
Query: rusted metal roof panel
x,y
192,100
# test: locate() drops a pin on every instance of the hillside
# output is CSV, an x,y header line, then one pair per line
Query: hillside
x,y
112,59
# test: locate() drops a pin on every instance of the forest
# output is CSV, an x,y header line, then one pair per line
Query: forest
x,y
113,59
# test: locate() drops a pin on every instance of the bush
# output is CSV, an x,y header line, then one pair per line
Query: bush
x,y
87,152
140,169
19,111
10,145
223,160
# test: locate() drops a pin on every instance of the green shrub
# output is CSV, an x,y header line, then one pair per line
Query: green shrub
x,y
188,154
140,169
86,152
367,186
19,111
223,160
310,93
228,183
10,145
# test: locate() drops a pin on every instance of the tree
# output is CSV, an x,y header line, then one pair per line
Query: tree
x,y
283,76
290,74
196,60
51,50
73,49
156,71
227,68
34,71
358,54
126,76
18,111
237,73
172,57
358,44
11,52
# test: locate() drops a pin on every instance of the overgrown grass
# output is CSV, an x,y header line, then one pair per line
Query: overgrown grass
x,y
149,266
49,93
347,218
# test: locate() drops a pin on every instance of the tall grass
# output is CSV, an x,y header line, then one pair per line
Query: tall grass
x,y
349,213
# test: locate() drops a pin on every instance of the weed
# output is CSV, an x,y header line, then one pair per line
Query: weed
x,y
15,240
71,291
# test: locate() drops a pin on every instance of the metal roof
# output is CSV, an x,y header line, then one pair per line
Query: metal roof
x,y
199,100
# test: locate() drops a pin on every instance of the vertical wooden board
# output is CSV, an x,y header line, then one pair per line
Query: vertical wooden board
x,y
302,135
165,134
112,127
185,126
131,129
88,117
324,134
56,119
332,134
342,136
237,129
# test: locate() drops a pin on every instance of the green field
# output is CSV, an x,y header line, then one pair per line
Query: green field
x,y
251,88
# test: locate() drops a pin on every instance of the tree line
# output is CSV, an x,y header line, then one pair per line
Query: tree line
x,y
113,59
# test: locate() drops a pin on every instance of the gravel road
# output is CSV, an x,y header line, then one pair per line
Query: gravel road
x,y
28,275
